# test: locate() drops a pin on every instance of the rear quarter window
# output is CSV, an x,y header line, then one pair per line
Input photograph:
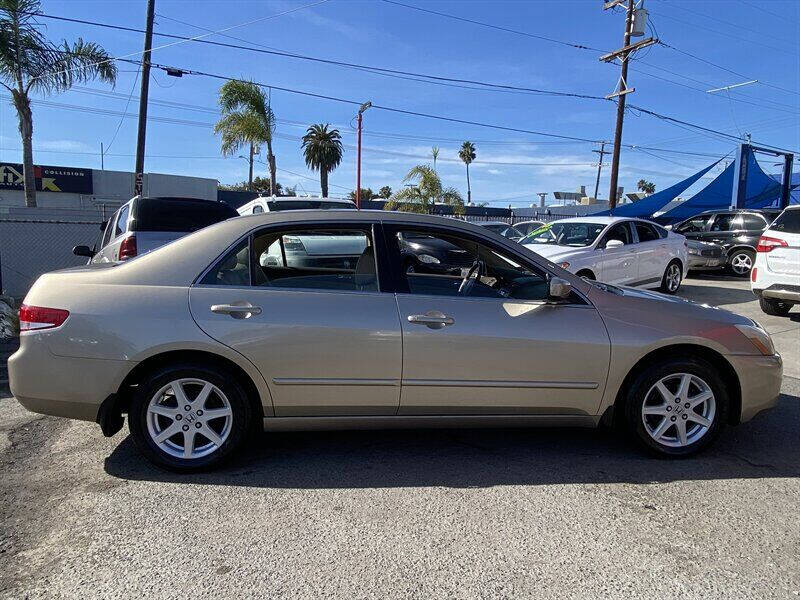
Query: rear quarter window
x,y
184,215
788,222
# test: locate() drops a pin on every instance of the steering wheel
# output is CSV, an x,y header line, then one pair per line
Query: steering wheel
x,y
468,282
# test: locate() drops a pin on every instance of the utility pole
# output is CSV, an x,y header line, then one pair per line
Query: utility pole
x,y
148,44
361,110
635,21
102,160
602,153
250,174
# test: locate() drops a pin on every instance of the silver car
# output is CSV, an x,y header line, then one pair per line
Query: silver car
x,y
201,341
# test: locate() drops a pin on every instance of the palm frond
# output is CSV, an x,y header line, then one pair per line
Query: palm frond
x,y
246,96
322,147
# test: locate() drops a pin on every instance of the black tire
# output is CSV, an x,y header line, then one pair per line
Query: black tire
x,y
774,307
736,260
587,274
637,393
667,280
242,416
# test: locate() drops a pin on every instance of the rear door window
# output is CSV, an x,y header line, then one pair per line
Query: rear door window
x,y
788,222
646,233
179,214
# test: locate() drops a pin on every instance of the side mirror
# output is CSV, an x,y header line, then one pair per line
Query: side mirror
x,y
611,244
559,289
83,251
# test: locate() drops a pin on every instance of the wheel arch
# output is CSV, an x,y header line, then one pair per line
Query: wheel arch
x,y
733,249
684,350
589,272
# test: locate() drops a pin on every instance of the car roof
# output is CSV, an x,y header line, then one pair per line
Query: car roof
x,y
309,198
609,220
484,223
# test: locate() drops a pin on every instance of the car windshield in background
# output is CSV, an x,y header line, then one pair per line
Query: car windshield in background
x,y
497,228
308,205
788,222
179,214
566,234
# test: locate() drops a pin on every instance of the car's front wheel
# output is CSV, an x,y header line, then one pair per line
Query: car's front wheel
x,y
676,407
773,307
189,418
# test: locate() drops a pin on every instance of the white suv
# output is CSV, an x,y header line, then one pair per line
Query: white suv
x,y
775,278
264,204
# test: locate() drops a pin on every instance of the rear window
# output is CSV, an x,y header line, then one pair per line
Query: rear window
x,y
308,205
788,222
178,214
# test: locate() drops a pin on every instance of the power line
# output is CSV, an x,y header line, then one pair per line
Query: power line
x,y
764,10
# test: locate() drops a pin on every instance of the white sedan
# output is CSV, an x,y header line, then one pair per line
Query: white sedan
x,y
614,250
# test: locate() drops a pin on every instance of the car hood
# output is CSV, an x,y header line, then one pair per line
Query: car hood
x,y
556,253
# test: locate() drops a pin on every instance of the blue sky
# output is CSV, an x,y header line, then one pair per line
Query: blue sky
x,y
754,38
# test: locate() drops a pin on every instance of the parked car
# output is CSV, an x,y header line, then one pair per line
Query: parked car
x,y
145,223
737,231
503,229
615,250
264,204
196,358
705,256
527,227
776,275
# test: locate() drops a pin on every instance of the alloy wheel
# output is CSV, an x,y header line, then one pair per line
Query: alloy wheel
x,y
189,418
742,263
673,277
678,410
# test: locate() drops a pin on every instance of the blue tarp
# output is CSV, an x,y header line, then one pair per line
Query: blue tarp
x,y
761,190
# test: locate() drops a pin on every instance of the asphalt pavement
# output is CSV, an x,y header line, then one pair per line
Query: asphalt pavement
x,y
545,513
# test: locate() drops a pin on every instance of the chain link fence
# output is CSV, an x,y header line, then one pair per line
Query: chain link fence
x,y
30,247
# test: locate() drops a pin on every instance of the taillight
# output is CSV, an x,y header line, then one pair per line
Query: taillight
x,y
38,317
127,249
768,244
754,274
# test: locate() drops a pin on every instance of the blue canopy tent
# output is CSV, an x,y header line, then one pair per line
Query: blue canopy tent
x,y
645,207
761,190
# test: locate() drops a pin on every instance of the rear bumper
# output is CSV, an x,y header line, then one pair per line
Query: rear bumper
x,y
778,291
62,386
760,378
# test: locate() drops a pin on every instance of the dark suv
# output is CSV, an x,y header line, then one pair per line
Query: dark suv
x,y
735,230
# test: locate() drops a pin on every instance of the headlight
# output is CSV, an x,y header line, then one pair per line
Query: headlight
x,y
694,251
428,259
758,337
564,265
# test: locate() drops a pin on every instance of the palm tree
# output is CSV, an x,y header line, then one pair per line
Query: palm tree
x,y
322,149
645,186
467,154
426,190
247,120
435,155
29,62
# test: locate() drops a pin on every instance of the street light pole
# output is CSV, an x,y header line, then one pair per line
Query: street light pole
x,y
361,110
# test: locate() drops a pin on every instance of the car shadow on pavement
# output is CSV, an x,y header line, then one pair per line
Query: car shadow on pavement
x,y
768,446
716,296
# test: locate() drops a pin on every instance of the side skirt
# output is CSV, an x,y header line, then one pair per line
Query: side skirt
x,y
427,422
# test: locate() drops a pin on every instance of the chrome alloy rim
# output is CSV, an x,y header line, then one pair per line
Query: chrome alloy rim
x,y
678,410
742,263
673,277
189,418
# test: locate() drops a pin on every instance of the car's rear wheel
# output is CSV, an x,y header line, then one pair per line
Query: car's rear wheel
x,y
741,262
676,408
773,307
189,418
671,280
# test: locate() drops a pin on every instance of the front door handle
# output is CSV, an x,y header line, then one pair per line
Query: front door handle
x,y
237,310
432,319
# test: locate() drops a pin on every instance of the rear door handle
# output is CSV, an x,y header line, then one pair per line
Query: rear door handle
x,y
432,319
237,310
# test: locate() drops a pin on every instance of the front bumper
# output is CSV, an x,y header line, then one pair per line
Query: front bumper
x,y
760,378
62,386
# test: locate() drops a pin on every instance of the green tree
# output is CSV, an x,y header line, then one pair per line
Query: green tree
x,y
247,118
366,194
467,154
426,190
322,149
30,63
262,185
645,186
385,192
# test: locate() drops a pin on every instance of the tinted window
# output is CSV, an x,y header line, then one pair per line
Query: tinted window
x,y
334,259
662,233
620,232
232,269
178,214
726,222
754,222
437,264
693,225
789,222
122,220
646,233
308,204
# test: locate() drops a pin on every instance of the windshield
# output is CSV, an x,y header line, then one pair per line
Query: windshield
x,y
565,234
497,228
309,204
